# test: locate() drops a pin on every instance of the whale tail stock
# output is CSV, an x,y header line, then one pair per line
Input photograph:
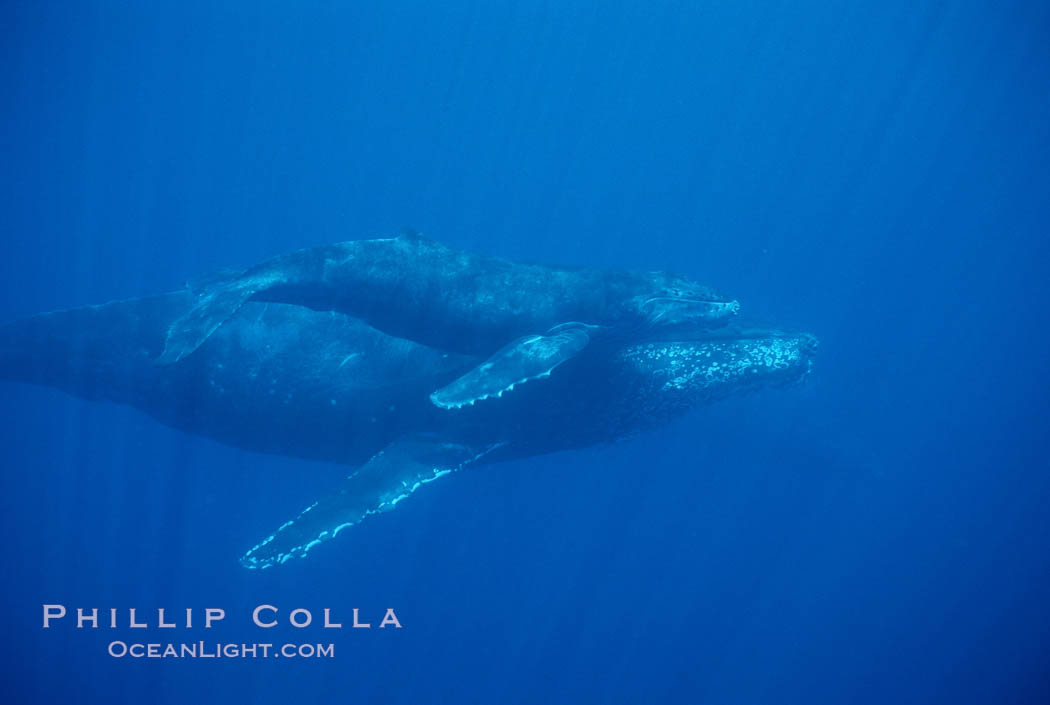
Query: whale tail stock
x,y
388,477
93,352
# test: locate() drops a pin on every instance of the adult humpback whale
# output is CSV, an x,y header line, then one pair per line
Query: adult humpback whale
x,y
289,380
527,318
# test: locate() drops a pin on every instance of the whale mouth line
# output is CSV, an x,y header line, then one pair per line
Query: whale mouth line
x,y
678,299
665,310
686,301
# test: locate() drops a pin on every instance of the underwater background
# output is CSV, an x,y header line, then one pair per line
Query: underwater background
x,y
876,175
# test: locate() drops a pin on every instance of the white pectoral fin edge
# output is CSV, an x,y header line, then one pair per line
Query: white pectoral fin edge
x,y
528,358
378,486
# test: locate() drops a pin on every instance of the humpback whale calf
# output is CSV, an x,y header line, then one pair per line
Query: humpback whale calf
x,y
526,319
290,380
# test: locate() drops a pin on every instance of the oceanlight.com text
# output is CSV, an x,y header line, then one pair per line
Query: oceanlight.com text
x,y
216,650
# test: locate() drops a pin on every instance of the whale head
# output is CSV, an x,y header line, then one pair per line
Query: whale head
x,y
681,373
672,300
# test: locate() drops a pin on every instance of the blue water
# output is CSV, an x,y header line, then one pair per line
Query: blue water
x,y
877,176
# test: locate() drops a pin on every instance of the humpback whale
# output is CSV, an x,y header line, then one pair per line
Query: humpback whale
x,y
526,319
290,380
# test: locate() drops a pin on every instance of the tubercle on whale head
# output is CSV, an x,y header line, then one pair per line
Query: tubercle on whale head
x,y
723,363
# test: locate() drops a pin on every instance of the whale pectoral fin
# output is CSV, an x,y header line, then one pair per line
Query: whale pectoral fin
x,y
217,301
391,475
527,358
203,284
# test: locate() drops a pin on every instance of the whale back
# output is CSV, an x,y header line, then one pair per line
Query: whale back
x,y
275,378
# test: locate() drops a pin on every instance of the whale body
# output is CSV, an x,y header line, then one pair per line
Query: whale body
x,y
526,319
290,380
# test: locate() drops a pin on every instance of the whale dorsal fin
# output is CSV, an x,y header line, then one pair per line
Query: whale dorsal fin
x,y
388,477
528,358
